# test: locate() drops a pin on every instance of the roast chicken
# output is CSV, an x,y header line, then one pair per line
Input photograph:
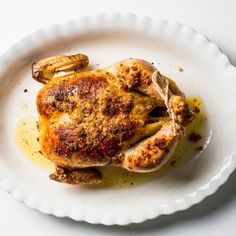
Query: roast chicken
x,y
126,115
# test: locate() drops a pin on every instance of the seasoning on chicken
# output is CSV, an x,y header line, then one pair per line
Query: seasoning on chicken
x,y
126,115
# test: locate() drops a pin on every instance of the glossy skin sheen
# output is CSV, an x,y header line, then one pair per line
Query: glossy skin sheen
x,y
98,118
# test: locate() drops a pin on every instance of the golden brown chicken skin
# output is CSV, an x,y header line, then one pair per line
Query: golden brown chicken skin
x,y
126,115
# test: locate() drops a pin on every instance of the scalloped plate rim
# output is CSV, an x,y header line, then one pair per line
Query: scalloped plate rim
x,y
215,184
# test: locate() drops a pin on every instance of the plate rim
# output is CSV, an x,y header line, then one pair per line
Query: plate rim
x,y
189,200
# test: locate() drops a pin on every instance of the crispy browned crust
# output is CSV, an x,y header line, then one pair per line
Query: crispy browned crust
x,y
153,151
87,118
136,75
44,70
97,118
185,111
78,176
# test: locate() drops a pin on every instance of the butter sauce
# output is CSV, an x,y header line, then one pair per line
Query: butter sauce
x,y
26,135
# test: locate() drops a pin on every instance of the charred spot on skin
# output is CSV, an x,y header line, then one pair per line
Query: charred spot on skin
x,y
59,150
72,90
36,71
109,146
25,90
68,139
89,87
135,81
113,105
160,143
194,137
92,145
62,97
123,131
124,87
60,94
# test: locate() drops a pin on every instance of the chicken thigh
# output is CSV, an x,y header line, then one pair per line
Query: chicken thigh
x,y
126,115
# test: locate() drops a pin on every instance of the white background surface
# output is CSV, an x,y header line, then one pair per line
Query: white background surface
x,y
216,19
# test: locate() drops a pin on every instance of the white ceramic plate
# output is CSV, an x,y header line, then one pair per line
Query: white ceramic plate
x,y
107,39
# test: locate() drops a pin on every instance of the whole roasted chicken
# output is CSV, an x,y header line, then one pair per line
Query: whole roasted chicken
x,y
126,115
